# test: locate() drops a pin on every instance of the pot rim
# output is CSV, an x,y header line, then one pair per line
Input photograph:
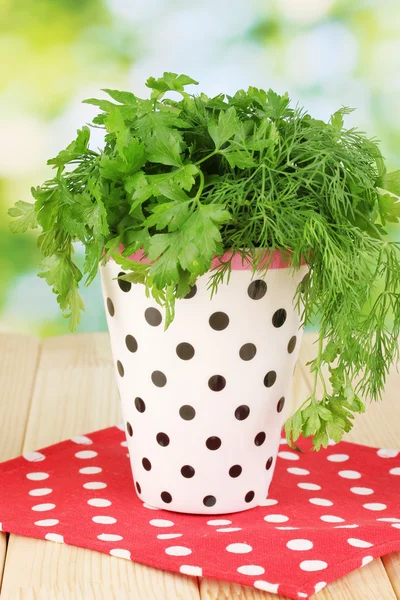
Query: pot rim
x,y
238,262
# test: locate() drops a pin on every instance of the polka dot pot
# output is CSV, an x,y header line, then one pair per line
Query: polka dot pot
x,y
204,402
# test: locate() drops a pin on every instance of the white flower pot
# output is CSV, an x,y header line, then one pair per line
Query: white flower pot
x,y
203,402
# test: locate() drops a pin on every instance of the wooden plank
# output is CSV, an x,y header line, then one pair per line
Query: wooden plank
x,y
19,356
75,393
211,589
391,562
18,361
368,583
362,584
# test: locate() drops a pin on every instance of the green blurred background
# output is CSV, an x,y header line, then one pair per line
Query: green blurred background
x,y
54,53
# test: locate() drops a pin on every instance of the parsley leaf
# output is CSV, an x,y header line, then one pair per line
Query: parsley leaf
x,y
223,129
164,147
24,217
169,82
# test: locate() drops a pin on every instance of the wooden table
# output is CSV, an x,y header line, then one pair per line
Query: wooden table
x,y
64,386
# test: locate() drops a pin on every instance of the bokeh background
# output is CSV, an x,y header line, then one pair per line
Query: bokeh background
x,y
54,53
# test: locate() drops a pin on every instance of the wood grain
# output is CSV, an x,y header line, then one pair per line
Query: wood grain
x,y
391,562
364,584
74,393
211,589
18,362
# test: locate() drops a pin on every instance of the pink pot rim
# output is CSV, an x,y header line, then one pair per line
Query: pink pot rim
x,y
278,261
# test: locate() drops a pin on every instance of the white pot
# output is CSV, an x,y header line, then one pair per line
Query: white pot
x,y
203,402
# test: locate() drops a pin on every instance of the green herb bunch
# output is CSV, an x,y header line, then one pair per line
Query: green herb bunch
x,y
190,177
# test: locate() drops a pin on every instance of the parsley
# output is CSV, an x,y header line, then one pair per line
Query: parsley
x,y
190,178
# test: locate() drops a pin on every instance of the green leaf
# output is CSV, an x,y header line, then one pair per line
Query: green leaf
x,y
257,95
115,123
390,182
293,427
134,155
172,191
169,214
63,276
122,97
242,160
93,253
337,120
277,105
324,412
104,105
164,147
135,182
225,128
131,158
24,215
311,420
389,208
202,229
185,176
165,248
159,243
168,82
74,150
190,258
320,438
335,430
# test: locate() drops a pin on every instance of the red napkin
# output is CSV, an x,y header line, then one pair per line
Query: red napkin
x,y
327,513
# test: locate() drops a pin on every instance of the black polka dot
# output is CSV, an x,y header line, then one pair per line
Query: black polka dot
x,y
158,378
129,429
257,289
139,489
213,443
125,286
292,344
187,412
269,462
209,501
187,471
235,471
270,379
153,316
242,412
166,497
249,497
219,321
140,405
110,307
146,464
185,351
216,383
260,438
247,351
120,368
192,292
162,439
131,343
280,404
279,317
